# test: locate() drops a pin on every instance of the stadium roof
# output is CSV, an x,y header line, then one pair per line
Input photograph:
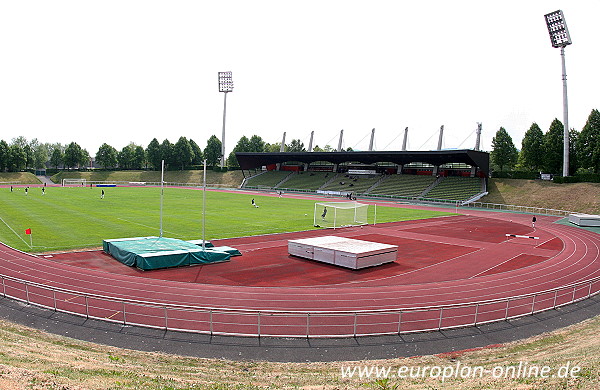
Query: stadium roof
x,y
249,160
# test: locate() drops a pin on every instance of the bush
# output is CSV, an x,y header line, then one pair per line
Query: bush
x,y
527,175
578,178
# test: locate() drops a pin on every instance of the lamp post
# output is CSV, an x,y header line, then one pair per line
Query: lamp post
x,y
225,85
559,36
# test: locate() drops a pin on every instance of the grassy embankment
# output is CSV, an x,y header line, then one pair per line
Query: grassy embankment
x,y
31,359
580,197
228,179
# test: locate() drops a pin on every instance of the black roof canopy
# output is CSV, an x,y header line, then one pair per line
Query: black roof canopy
x,y
249,160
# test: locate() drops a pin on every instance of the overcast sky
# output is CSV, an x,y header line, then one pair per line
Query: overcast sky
x,y
129,71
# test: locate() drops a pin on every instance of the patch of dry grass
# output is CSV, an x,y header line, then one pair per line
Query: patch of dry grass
x,y
31,359
581,197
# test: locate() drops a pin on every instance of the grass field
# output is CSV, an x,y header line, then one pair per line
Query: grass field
x,y
75,217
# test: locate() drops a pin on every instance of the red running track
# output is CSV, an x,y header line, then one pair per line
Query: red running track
x,y
450,271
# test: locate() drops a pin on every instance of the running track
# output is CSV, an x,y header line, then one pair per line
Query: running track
x,y
486,267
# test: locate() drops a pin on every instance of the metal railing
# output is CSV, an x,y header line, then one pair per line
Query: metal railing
x,y
279,323
519,209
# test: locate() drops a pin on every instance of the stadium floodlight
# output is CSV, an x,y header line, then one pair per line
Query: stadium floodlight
x,y
225,86
560,37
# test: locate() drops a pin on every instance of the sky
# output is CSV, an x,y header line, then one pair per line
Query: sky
x,y
130,71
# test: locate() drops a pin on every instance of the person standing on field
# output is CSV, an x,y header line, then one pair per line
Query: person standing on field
x,y
533,222
102,195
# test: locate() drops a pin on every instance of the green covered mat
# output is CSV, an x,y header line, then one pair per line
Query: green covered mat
x,y
148,253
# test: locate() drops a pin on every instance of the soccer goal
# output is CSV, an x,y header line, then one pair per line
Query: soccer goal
x,y
340,214
74,182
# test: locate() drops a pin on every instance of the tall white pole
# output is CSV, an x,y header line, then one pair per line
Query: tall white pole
x,y
223,136
162,193
565,115
204,208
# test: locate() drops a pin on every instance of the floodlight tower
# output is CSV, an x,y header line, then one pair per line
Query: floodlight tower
x,y
225,85
559,36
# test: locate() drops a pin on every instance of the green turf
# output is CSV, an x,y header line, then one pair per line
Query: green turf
x,y
76,217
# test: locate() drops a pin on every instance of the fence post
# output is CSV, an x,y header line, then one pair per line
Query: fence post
x,y
124,316
211,321
506,314
166,319
574,289
476,312
27,292
307,324
258,321
399,320
590,290
555,295
54,298
355,324
87,308
3,288
533,304
441,316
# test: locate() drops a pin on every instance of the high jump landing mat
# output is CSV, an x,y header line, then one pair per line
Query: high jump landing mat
x,y
147,253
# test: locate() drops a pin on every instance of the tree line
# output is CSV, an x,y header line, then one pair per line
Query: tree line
x,y
543,152
184,154
540,152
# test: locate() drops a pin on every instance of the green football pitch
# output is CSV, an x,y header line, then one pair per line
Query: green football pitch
x,y
76,217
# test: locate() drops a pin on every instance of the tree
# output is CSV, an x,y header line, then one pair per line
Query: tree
x,y
139,157
183,153
41,153
574,163
588,143
212,152
504,153
197,159
272,148
57,156
296,146
74,155
4,155
256,144
125,157
553,147
166,152
16,158
532,148
106,156
153,153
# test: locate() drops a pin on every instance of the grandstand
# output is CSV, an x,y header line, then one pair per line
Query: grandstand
x,y
403,185
455,188
453,175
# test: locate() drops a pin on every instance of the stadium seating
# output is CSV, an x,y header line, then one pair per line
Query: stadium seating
x,y
403,185
455,188
358,184
308,181
268,179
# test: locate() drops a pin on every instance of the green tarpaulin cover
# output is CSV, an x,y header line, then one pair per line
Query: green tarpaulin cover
x,y
148,253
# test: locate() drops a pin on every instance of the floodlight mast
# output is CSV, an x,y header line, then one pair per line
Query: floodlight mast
x,y
560,37
225,85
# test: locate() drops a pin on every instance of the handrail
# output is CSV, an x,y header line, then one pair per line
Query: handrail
x,y
290,314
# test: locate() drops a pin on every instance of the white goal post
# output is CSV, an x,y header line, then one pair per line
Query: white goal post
x,y
74,182
340,214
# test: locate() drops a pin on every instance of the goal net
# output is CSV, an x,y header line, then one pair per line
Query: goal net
x,y
340,214
74,182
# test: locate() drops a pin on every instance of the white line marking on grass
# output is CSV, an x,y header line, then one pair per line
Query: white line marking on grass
x,y
16,234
